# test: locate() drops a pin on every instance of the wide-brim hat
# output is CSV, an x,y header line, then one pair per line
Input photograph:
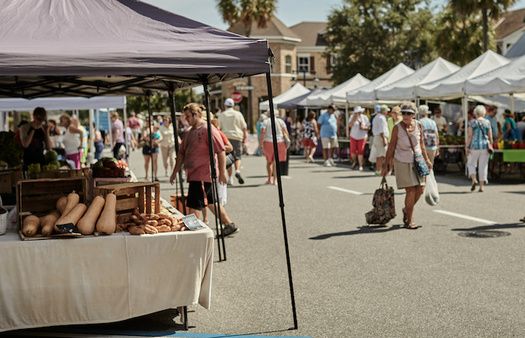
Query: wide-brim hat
x,y
358,109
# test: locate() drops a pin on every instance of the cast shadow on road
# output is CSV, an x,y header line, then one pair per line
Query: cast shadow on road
x,y
516,225
374,229
360,176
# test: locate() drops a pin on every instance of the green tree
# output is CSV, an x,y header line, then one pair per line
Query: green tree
x,y
159,102
458,36
487,9
247,12
372,36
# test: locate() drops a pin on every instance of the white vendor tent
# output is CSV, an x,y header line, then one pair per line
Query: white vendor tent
x,y
509,78
406,88
366,95
296,90
301,101
69,103
453,86
337,95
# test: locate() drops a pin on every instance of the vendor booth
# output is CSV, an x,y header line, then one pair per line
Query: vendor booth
x,y
90,48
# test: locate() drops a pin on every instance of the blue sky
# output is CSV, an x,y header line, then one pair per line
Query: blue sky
x,y
290,12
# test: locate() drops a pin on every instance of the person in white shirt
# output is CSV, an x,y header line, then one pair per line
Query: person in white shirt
x,y
381,133
359,126
441,121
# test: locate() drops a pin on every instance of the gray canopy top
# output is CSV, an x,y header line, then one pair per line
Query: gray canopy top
x,y
114,47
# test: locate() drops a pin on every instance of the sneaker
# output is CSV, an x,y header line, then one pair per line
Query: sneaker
x,y
327,163
311,158
229,229
360,168
269,182
378,173
331,161
239,177
230,180
339,160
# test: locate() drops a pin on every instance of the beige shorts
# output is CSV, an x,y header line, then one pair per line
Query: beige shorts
x,y
406,175
380,148
329,143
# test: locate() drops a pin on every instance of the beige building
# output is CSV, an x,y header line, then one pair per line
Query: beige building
x,y
299,56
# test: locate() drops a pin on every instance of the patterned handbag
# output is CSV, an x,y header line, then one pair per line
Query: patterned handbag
x,y
384,206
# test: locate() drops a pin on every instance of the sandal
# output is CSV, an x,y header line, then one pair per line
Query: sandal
x,y
405,219
522,219
473,186
412,226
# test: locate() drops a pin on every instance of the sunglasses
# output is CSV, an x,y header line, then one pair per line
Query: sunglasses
x,y
406,113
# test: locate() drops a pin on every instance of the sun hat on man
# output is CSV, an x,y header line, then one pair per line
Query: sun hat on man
x,y
384,107
229,102
358,109
377,108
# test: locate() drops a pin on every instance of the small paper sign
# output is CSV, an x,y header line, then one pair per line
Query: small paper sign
x,y
68,228
191,222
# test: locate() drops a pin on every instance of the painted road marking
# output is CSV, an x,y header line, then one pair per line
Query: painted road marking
x,y
470,218
345,190
287,177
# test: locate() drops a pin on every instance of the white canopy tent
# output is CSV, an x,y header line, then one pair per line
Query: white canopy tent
x,y
337,95
70,103
406,88
509,78
453,86
295,91
366,95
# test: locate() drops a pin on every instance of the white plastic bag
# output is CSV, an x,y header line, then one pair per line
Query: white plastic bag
x,y
372,157
431,190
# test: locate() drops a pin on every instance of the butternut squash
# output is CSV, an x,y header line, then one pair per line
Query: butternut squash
x,y
61,204
73,216
30,225
48,221
107,222
72,200
87,223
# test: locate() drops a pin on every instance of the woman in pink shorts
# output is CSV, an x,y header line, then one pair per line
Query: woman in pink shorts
x,y
359,126
266,140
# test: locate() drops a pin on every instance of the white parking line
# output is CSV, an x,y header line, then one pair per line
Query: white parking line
x,y
475,219
287,177
346,190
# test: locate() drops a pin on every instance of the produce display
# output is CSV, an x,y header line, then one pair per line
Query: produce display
x,y
100,218
451,140
109,167
12,152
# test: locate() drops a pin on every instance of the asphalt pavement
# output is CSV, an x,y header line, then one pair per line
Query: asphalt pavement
x,y
354,280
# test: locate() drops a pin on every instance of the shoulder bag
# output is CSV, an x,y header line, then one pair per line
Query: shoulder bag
x,y
490,149
419,160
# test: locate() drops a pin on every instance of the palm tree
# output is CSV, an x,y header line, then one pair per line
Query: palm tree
x,y
489,9
247,12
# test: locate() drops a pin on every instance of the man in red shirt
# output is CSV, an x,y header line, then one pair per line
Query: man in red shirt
x,y
194,154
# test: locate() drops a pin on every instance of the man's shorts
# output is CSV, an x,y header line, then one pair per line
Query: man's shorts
x,y
378,144
196,192
329,143
237,148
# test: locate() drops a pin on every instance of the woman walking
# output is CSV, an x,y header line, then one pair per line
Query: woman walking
x,y
479,139
151,153
71,140
407,141
266,139
167,145
310,136
359,126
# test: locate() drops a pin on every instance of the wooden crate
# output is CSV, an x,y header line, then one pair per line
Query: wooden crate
x,y
63,173
8,179
99,181
176,201
40,196
133,195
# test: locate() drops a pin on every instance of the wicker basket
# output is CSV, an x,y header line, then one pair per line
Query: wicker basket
x,y
3,220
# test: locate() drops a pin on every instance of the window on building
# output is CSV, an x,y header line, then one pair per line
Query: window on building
x,y
288,64
303,64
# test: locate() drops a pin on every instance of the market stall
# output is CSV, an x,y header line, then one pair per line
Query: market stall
x,y
102,279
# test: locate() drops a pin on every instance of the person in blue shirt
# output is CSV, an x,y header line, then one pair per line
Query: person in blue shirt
x,y
328,123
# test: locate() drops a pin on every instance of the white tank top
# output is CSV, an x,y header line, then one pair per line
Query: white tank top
x,y
71,142
404,151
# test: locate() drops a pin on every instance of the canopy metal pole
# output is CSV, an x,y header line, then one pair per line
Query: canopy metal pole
x,y
281,199
176,137
148,93
216,204
465,115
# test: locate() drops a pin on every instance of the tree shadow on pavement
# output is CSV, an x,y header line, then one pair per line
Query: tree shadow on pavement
x,y
374,229
516,225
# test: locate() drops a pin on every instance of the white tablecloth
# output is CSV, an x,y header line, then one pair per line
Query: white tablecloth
x,y
101,279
